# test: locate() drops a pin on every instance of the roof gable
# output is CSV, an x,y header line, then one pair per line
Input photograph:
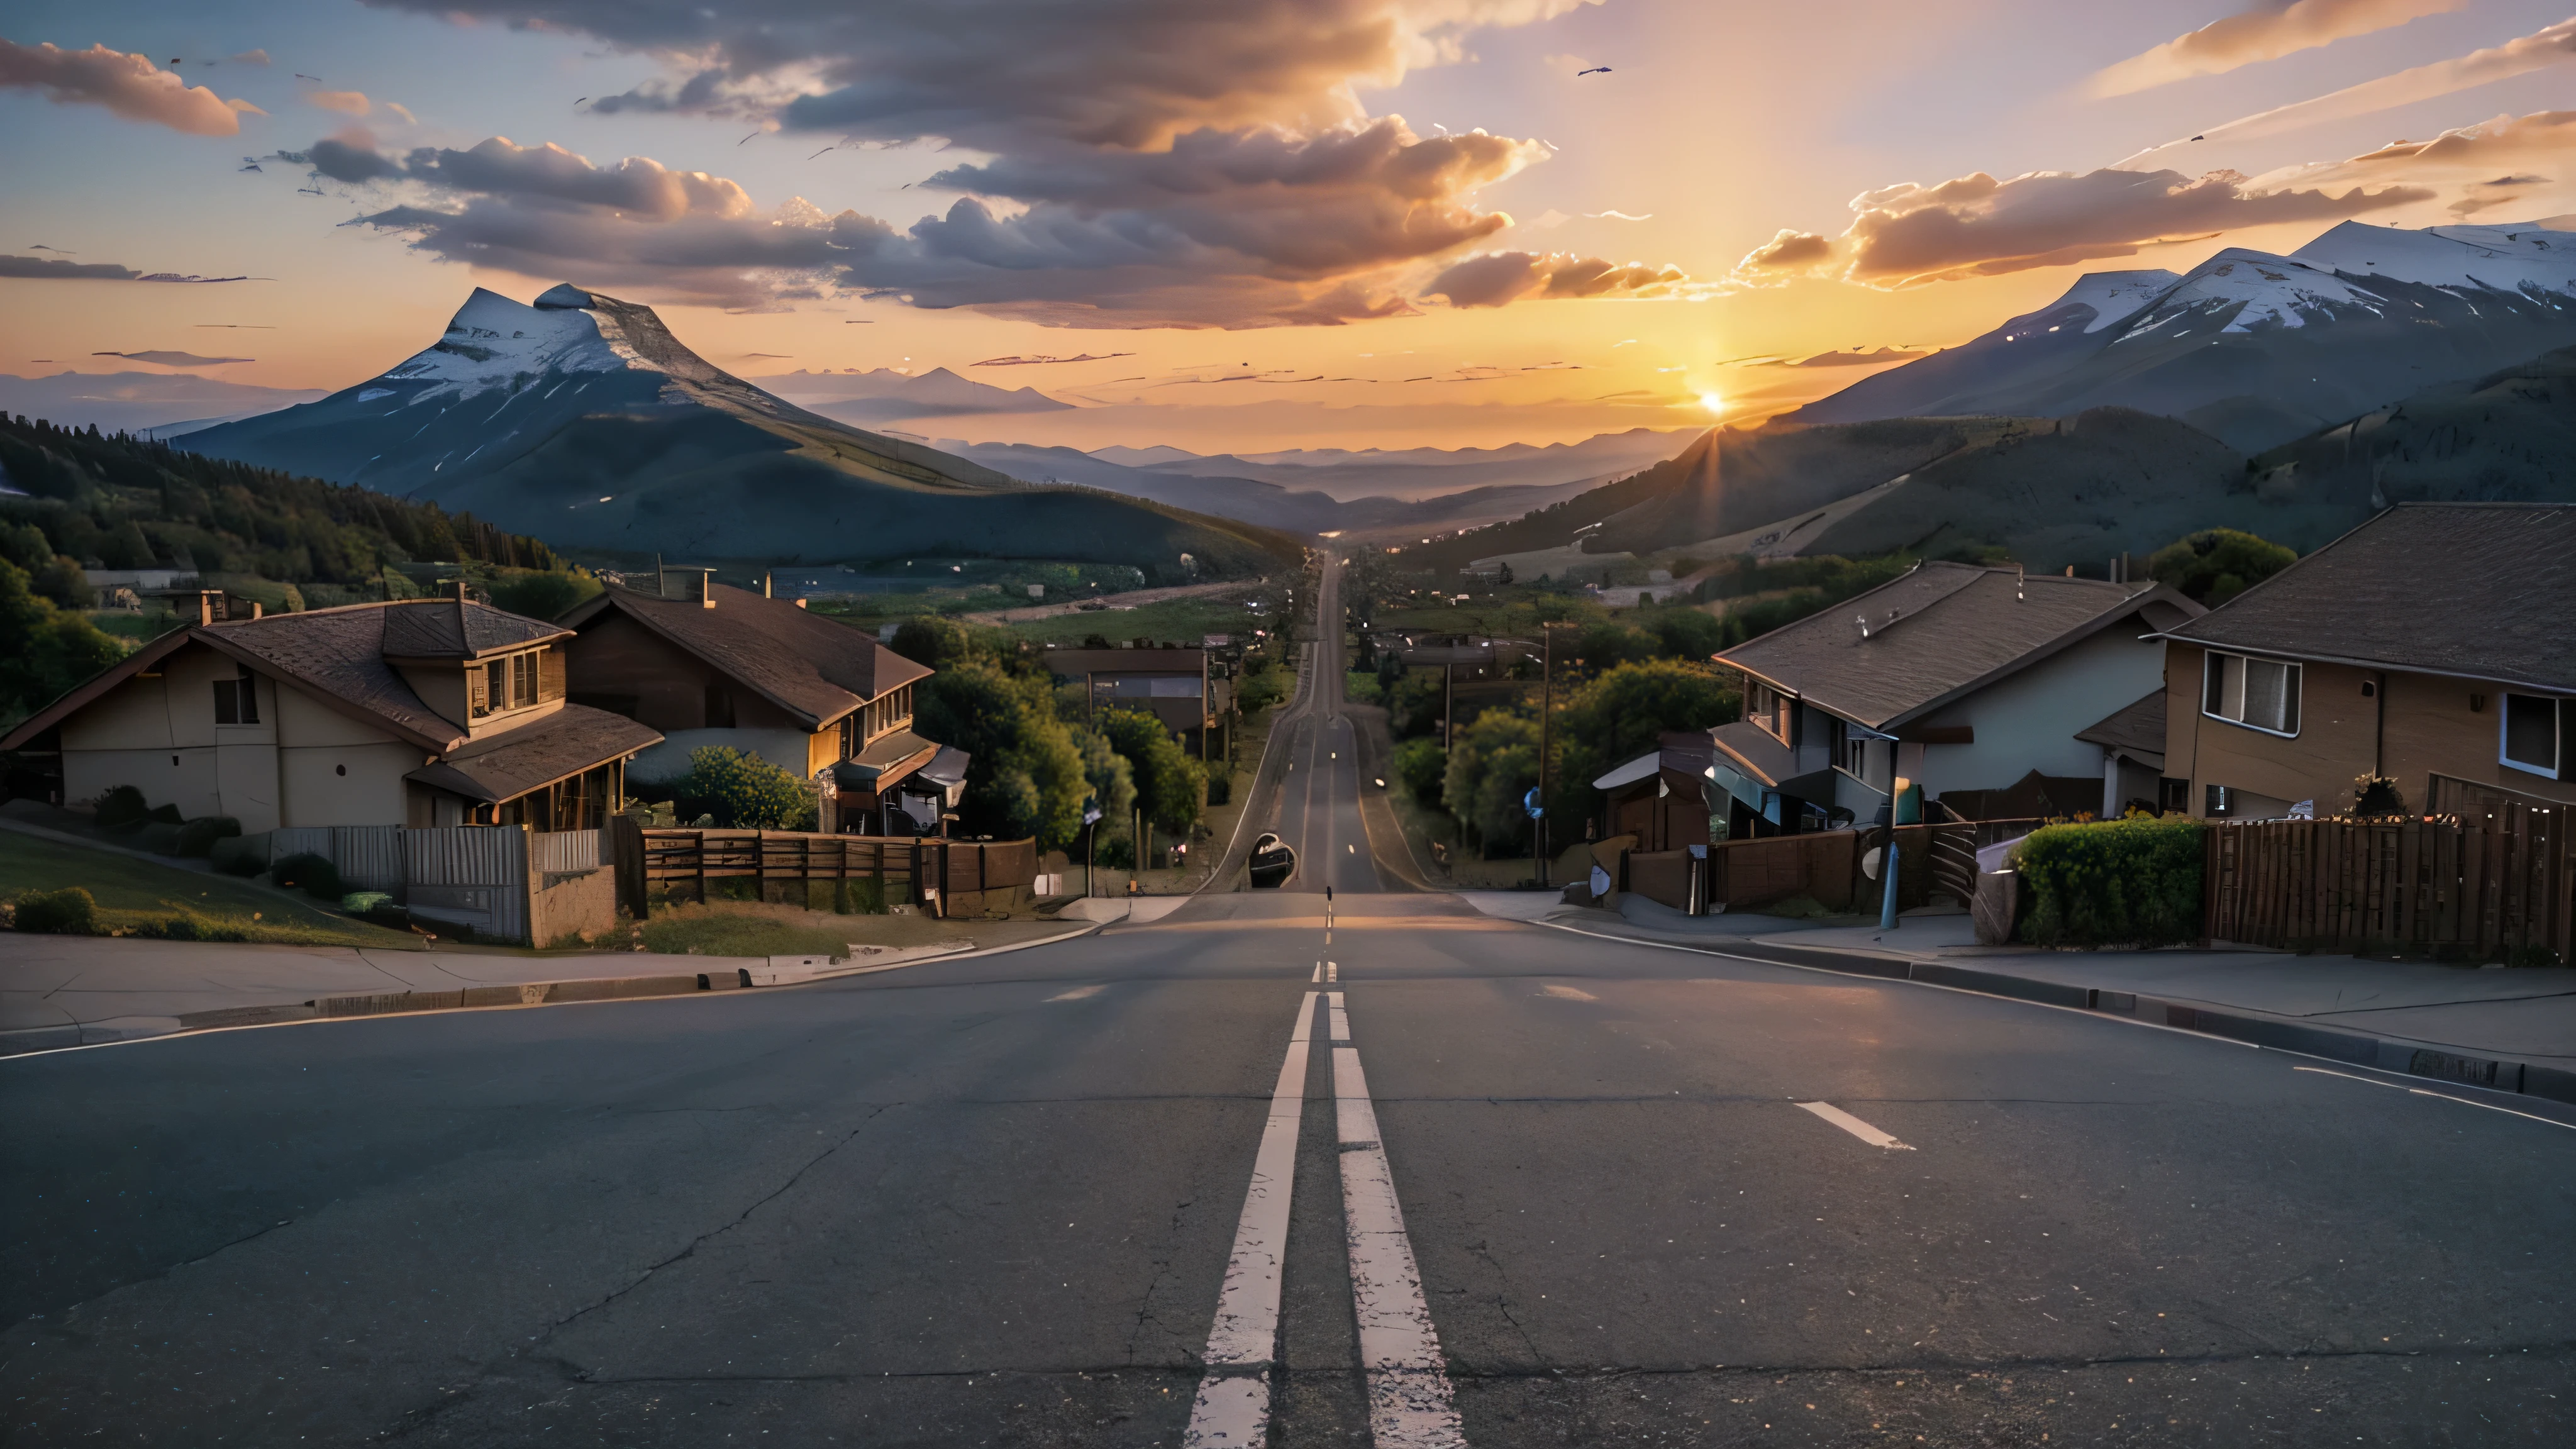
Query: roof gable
x,y
807,665
1935,633
458,629
2474,590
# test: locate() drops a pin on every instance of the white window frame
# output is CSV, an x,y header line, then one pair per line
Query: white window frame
x,y
1851,750
2212,671
2560,709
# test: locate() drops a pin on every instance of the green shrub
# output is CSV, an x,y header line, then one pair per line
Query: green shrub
x,y
360,903
746,792
865,896
197,838
159,837
1220,785
1420,767
121,808
67,912
2216,564
313,874
2113,883
239,855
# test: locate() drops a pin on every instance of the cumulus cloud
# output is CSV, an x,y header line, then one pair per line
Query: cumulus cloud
x,y
1249,228
1149,163
56,270
1499,278
1974,225
2265,33
353,103
2490,164
130,85
2554,45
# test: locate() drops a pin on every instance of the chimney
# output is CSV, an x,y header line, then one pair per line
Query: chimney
x,y
688,584
452,589
210,606
764,586
257,608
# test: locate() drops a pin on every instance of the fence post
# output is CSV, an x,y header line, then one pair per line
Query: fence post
x,y
2209,883
626,860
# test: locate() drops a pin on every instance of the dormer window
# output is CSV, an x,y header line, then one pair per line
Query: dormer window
x,y
237,700
514,681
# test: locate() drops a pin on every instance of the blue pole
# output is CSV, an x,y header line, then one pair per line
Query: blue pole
x,y
1887,873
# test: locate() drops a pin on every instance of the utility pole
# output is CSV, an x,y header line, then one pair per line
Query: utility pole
x,y
1546,703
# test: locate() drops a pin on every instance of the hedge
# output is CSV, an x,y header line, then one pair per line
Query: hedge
x,y
2112,883
66,912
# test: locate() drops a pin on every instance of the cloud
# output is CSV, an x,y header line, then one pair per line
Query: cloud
x,y
175,359
130,85
249,57
1142,163
1499,278
1229,229
2470,153
51,269
1909,234
1853,358
2266,33
2555,45
352,103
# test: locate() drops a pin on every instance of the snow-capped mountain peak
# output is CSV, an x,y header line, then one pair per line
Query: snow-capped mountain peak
x,y
2265,290
493,341
2503,258
2114,296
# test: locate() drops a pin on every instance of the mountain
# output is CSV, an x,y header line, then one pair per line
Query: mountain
x,y
885,395
2507,437
583,421
1419,474
1272,505
2252,348
132,402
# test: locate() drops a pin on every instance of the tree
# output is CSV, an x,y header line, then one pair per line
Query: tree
x,y
1024,773
1168,781
1624,713
1492,763
44,651
1420,765
543,596
745,792
1112,779
931,643
2216,564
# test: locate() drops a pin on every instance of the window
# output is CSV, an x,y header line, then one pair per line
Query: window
x,y
1851,751
2536,735
1767,707
719,708
237,700
2260,694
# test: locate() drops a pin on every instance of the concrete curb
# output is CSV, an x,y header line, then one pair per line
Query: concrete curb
x,y
741,974
2403,1056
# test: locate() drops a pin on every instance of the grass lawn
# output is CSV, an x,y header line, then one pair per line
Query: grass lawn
x,y
135,894
1183,621
749,928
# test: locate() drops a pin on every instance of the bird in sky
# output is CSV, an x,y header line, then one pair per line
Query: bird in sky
x,y
174,60
41,247
2200,138
250,165
746,140
818,153
579,100
1596,70
299,75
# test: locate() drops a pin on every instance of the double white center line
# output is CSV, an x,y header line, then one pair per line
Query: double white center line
x,y
1410,1403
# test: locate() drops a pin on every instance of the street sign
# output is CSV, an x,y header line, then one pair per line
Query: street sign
x,y
1529,802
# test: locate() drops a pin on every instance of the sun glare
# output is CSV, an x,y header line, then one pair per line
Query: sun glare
x,y
1712,402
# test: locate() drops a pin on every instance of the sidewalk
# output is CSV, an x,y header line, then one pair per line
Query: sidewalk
x,y
62,991
2514,1030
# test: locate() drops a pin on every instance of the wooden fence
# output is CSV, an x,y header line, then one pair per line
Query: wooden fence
x,y
953,877
2497,887
501,882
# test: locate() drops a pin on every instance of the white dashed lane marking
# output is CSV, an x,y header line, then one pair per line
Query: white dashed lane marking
x,y
1854,1126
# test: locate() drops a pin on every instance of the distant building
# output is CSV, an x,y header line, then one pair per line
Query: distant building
x,y
705,664
426,712
2431,646
1191,694
1971,682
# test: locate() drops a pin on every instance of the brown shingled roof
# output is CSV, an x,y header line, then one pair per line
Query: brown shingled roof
x,y
458,629
2138,728
338,655
1938,631
803,663
563,744
2473,590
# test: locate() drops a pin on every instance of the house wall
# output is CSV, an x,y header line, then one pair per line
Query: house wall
x,y
668,761
2028,720
160,736
2427,728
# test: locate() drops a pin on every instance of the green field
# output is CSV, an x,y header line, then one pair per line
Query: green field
x,y
1180,621
139,897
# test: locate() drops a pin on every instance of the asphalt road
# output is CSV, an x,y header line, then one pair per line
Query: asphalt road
x,y
995,1200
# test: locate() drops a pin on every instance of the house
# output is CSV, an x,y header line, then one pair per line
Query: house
x,y
2431,646
425,712
1183,688
1963,679
704,663
1660,797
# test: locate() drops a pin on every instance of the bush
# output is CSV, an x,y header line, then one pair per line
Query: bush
x,y
362,903
121,808
314,874
745,792
239,855
1420,766
197,838
1220,786
2216,564
67,912
2113,883
159,837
